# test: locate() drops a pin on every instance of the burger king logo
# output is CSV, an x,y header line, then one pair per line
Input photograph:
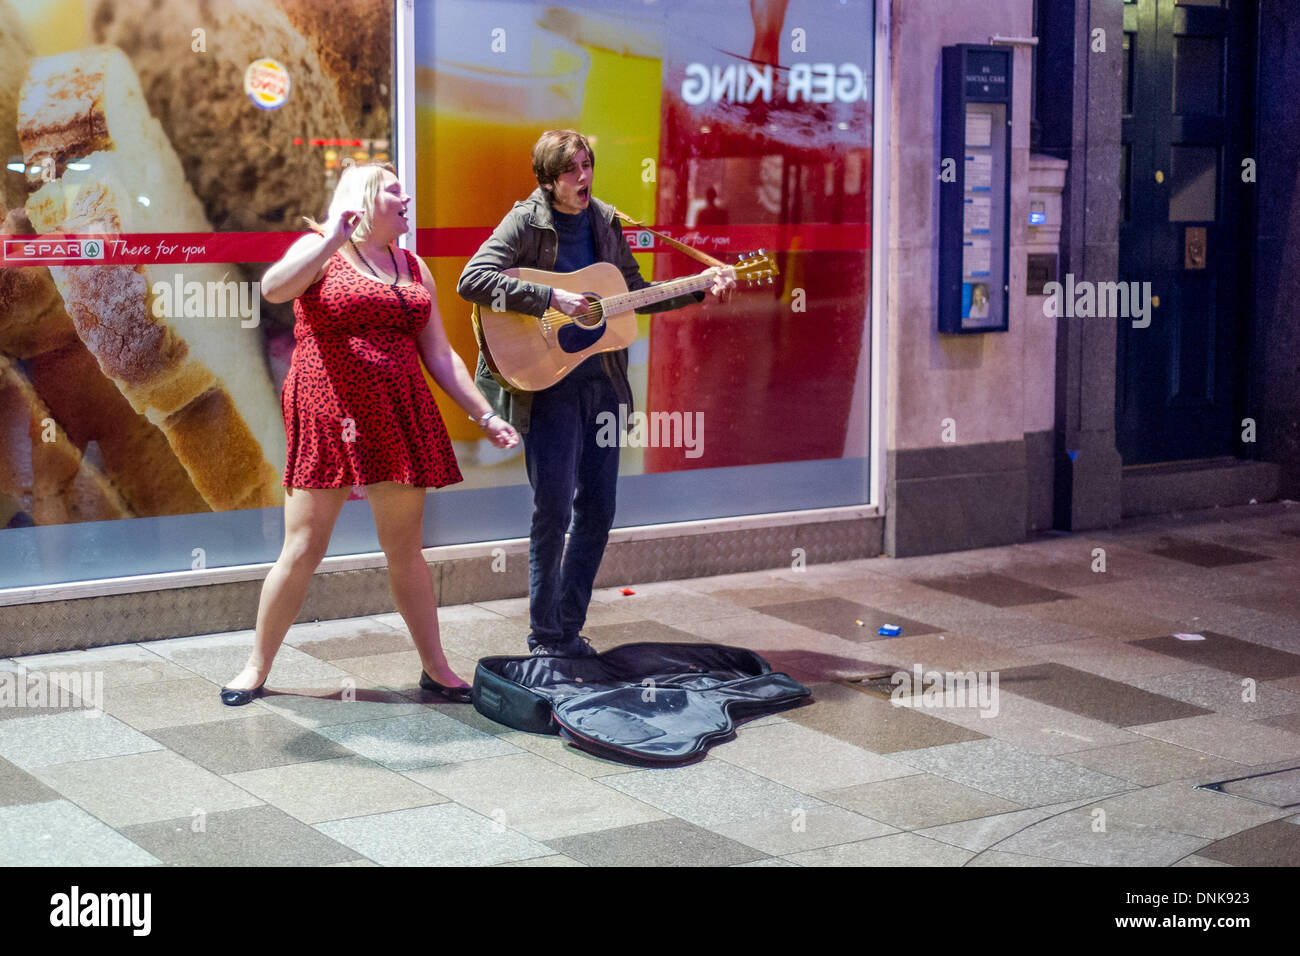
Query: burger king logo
x,y
266,82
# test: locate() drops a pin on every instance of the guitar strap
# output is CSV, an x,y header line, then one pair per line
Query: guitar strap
x,y
694,253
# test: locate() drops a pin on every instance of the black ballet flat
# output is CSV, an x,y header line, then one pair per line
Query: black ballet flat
x,y
457,695
238,698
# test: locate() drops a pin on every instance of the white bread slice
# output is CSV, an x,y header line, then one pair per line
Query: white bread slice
x,y
50,479
134,453
241,160
90,100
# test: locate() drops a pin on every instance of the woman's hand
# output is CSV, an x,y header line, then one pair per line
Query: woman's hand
x,y
339,228
500,432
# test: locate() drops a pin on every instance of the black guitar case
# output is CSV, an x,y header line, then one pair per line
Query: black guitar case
x,y
657,703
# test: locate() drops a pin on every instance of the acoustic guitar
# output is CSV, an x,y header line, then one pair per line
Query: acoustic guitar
x,y
531,353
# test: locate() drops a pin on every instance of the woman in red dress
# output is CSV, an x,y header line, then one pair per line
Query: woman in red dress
x,y
357,411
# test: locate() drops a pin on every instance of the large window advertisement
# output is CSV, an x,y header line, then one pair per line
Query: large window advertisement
x,y
736,126
158,154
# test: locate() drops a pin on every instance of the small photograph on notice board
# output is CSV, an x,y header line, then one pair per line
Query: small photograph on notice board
x,y
975,300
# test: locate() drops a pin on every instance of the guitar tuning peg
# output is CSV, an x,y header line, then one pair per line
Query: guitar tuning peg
x,y
769,280
762,252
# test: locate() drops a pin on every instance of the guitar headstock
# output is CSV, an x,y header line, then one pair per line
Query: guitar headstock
x,y
754,267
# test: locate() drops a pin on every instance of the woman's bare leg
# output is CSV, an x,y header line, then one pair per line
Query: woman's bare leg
x,y
309,516
399,516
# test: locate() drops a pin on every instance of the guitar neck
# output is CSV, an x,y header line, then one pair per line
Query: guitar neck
x,y
655,293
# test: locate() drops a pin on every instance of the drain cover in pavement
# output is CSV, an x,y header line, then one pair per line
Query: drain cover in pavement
x,y
1277,788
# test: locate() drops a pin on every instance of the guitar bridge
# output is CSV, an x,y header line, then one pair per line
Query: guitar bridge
x,y
547,324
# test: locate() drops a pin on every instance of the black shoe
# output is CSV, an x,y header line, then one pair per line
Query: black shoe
x,y
457,695
577,647
238,698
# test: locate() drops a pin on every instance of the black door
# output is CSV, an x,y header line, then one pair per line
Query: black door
x,y
1186,128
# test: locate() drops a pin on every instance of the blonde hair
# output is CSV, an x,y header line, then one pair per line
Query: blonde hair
x,y
358,187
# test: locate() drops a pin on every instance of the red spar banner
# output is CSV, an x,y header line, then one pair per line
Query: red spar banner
x,y
143,248
170,248
846,237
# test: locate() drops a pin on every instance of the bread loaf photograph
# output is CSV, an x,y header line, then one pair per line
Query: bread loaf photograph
x,y
133,118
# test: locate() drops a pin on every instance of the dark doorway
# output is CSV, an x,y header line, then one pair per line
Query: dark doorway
x,y
1188,99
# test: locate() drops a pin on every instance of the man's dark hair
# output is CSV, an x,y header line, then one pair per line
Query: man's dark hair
x,y
553,156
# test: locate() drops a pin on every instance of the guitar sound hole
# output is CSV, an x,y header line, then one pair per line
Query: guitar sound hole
x,y
593,317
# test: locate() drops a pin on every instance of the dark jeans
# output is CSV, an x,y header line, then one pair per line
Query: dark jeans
x,y
573,479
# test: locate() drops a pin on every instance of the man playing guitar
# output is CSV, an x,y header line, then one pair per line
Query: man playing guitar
x,y
561,227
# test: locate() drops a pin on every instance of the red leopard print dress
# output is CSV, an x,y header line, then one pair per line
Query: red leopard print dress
x,y
356,407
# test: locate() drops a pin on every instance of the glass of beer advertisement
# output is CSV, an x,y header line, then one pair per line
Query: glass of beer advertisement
x,y
737,127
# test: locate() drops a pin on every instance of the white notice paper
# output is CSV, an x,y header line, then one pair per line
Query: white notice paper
x,y
977,254
978,215
979,170
979,129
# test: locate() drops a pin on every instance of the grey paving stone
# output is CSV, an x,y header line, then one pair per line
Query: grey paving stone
x,y
852,714
444,835
921,800
32,742
558,859
416,741
335,789
343,706
37,693
1226,653
1196,859
758,595
1243,741
1012,773
59,833
556,750
1112,658
1184,809
809,830
1204,554
657,843
900,849
984,832
534,796
142,788
354,637
998,858
997,590
1108,701
1276,843
221,657
1036,727
257,836
173,703
1072,836
1222,692
806,760
17,786
231,746
835,615
1151,762
711,793
120,664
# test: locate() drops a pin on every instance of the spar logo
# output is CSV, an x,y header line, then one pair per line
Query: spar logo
x,y
266,82
52,250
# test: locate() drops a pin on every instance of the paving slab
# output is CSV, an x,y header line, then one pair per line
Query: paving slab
x,y
59,833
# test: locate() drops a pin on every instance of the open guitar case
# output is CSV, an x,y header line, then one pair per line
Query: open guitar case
x,y
639,703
